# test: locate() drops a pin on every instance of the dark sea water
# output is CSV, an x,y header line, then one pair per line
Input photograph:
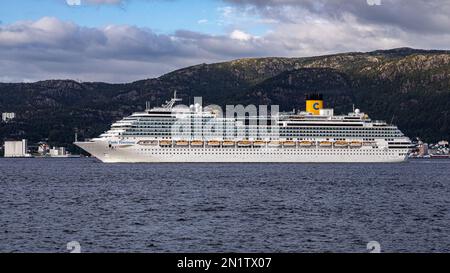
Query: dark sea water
x,y
46,203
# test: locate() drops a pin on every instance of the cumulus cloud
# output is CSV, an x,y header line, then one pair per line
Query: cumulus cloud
x,y
52,48
240,35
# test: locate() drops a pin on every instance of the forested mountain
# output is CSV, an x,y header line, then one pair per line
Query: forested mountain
x,y
407,86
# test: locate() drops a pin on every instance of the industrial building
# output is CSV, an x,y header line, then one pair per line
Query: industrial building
x,y
16,148
58,152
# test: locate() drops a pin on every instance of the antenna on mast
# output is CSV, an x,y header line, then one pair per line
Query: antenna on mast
x,y
171,103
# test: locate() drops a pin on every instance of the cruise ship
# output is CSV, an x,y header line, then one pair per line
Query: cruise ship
x,y
311,136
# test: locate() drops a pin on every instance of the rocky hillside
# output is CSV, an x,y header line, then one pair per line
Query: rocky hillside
x,y
410,87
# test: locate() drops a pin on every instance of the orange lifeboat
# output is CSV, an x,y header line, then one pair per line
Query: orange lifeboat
x,y
245,143
289,144
214,143
274,144
341,144
196,143
356,144
260,143
182,143
325,144
305,143
228,143
165,143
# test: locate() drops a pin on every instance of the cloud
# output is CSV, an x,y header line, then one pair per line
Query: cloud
x,y
94,2
240,35
103,1
313,27
73,2
373,2
409,15
52,48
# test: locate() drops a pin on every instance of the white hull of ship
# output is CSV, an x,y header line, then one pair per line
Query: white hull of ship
x,y
141,154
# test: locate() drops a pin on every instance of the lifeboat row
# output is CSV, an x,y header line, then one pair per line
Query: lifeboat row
x,y
258,143
341,144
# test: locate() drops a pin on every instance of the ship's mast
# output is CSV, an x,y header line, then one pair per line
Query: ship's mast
x,y
171,103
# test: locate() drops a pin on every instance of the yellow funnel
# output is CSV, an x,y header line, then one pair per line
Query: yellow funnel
x,y
314,103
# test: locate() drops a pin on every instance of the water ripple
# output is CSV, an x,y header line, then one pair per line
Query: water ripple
x,y
46,203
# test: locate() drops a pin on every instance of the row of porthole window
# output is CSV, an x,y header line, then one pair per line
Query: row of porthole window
x,y
259,134
253,149
267,153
